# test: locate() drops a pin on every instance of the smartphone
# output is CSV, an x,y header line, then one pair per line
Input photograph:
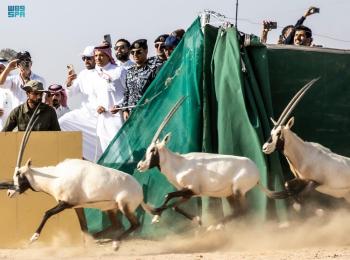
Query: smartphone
x,y
108,39
271,25
70,69
315,10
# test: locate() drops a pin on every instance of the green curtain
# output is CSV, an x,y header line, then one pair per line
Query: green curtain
x,y
232,87
180,76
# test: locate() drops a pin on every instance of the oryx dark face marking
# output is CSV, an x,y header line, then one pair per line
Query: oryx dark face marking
x,y
23,184
154,159
280,142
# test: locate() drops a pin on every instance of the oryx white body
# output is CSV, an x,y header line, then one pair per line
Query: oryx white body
x,y
313,162
82,183
78,183
212,175
202,174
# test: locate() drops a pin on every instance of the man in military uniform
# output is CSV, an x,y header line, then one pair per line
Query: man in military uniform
x,y
20,116
139,76
160,49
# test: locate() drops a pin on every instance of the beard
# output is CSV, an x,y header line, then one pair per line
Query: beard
x,y
122,56
55,103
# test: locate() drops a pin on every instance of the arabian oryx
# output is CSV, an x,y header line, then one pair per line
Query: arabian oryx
x,y
201,174
76,183
313,165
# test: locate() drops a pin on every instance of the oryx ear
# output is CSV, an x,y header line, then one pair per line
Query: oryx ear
x,y
290,122
166,138
273,121
29,163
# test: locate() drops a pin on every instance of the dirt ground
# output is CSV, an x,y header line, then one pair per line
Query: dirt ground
x,y
317,237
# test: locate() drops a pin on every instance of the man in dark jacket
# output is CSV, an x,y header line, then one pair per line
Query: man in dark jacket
x,y
20,116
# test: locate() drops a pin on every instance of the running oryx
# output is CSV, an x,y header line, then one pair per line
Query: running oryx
x,y
76,183
201,174
313,165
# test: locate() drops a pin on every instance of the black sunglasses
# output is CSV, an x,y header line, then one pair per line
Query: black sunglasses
x,y
86,58
120,47
138,52
159,45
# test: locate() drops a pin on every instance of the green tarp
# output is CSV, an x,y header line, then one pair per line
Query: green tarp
x,y
231,91
215,117
322,116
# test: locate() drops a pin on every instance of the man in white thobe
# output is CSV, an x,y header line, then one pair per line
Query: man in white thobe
x,y
84,118
109,82
5,98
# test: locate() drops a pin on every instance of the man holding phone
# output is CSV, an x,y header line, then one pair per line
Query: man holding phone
x,y
15,83
287,36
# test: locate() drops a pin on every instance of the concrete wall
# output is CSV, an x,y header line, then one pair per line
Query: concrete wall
x,y
19,217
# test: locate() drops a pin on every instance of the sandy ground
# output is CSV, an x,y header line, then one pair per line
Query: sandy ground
x,y
317,237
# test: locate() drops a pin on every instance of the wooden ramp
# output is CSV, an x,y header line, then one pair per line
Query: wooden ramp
x,y
20,216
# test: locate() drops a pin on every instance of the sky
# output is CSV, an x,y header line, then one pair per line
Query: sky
x,y
56,32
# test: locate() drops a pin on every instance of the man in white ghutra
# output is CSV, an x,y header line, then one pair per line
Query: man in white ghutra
x,y
109,82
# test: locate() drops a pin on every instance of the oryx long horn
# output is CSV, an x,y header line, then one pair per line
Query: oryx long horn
x,y
26,135
167,118
294,101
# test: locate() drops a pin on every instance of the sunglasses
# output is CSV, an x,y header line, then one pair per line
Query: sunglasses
x,y
120,47
53,94
159,45
86,58
138,52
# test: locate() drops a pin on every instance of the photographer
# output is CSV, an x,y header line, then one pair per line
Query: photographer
x,y
15,83
267,26
287,36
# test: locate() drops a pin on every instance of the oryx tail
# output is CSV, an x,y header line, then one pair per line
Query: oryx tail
x,y
274,194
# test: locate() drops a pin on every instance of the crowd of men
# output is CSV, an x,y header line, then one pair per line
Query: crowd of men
x,y
109,87
297,34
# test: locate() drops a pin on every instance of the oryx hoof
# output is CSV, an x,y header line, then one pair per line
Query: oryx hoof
x,y
219,227
116,245
210,228
197,221
34,237
319,213
284,224
296,206
156,219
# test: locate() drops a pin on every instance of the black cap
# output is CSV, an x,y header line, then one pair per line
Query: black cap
x,y
161,38
140,43
23,55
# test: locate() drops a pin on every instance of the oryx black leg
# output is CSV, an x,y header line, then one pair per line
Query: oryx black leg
x,y
236,202
134,223
112,215
299,188
62,205
82,219
185,193
184,213
115,224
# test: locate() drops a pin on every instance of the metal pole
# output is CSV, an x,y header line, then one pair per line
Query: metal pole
x,y
236,13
